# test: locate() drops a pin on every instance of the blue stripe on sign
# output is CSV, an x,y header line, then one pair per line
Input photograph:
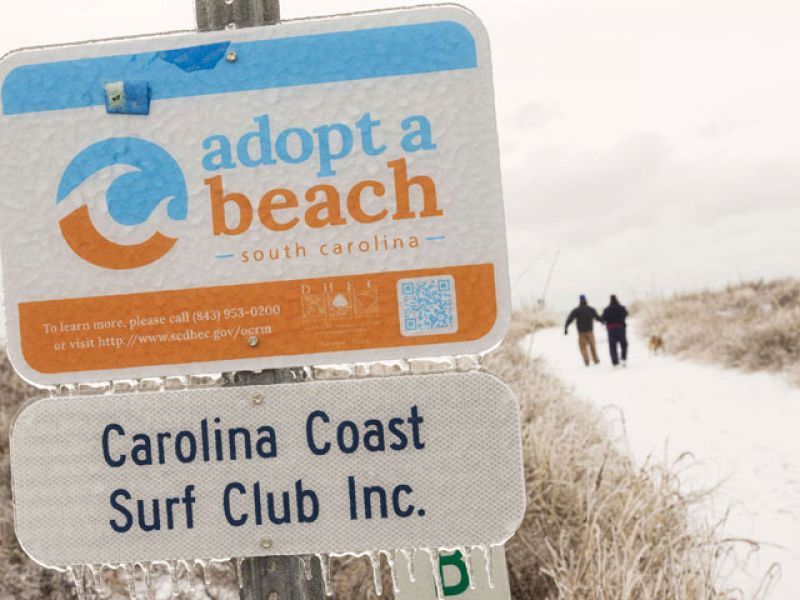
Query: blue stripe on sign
x,y
202,70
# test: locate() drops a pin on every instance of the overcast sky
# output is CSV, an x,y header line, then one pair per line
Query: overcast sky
x,y
653,143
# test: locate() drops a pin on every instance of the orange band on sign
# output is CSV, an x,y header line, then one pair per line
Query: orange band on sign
x,y
284,318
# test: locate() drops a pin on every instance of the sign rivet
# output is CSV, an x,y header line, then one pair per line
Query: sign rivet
x,y
232,57
253,341
258,399
266,543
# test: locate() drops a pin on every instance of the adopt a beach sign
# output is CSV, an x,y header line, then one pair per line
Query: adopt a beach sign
x,y
316,192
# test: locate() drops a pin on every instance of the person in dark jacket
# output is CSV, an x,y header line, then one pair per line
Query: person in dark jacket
x,y
614,317
585,316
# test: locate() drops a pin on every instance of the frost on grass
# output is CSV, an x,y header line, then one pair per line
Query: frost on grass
x,y
751,326
596,527
19,577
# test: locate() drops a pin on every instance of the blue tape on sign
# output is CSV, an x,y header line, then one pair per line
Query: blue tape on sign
x,y
128,98
197,58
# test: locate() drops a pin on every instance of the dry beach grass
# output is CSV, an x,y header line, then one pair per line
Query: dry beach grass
x,y
19,577
597,527
751,326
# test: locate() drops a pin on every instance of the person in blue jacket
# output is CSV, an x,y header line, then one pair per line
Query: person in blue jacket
x,y
614,317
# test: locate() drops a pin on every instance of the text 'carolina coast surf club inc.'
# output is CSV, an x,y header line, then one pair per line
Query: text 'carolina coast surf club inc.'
x,y
323,193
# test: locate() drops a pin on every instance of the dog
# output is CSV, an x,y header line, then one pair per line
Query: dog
x,y
656,344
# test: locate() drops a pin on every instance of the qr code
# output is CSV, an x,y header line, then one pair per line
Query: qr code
x,y
427,306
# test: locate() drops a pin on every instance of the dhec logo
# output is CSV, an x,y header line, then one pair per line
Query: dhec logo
x,y
131,200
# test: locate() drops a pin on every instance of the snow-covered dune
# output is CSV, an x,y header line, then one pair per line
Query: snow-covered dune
x,y
741,430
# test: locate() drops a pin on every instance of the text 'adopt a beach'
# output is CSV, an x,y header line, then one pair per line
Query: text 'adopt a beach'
x,y
233,211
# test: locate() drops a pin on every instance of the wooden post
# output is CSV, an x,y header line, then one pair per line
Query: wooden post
x,y
278,577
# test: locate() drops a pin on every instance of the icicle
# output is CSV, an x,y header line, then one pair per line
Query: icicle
x,y
308,568
172,569
202,566
130,581
375,560
206,568
487,554
93,577
100,583
208,574
148,579
437,573
467,554
325,567
189,575
391,559
237,564
104,578
77,574
410,556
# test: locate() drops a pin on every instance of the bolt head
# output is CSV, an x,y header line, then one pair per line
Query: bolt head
x,y
266,543
258,399
232,57
253,341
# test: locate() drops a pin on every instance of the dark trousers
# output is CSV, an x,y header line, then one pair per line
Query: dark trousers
x,y
617,336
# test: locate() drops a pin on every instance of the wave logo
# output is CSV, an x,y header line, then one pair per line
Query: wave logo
x,y
154,177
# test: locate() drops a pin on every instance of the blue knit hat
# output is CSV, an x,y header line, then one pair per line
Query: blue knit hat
x,y
583,298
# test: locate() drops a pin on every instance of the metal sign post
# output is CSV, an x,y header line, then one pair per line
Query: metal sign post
x,y
278,577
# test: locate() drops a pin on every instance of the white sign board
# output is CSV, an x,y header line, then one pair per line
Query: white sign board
x,y
319,191
423,461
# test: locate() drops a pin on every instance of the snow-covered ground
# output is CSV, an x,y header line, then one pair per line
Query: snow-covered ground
x,y
742,431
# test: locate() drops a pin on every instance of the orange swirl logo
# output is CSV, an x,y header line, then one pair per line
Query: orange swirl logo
x,y
131,200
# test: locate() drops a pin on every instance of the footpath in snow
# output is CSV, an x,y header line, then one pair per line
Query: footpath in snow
x,y
741,429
